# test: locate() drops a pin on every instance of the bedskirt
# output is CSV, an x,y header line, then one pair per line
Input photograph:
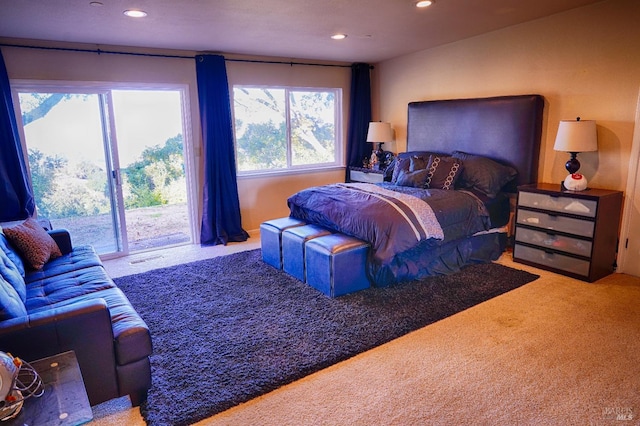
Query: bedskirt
x,y
442,259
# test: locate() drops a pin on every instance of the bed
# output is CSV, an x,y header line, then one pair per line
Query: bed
x,y
448,202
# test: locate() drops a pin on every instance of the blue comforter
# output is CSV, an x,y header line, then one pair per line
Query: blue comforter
x,y
400,223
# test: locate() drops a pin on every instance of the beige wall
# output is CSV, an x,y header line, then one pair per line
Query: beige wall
x,y
585,62
261,197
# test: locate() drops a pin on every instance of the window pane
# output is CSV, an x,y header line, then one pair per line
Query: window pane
x,y
154,185
261,131
312,127
65,144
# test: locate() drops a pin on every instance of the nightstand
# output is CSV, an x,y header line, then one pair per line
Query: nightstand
x,y
359,174
568,232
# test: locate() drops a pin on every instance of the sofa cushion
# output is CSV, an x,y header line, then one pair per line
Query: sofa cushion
x,y
79,258
11,305
12,253
47,292
33,242
9,271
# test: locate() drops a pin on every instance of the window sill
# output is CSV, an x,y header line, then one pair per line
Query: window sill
x,y
289,172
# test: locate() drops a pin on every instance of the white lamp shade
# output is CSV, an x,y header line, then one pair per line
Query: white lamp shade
x,y
379,132
576,136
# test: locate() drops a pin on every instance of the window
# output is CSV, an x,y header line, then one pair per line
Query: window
x,y
281,128
108,164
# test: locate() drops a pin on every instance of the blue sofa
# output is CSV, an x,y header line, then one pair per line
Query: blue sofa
x,y
72,304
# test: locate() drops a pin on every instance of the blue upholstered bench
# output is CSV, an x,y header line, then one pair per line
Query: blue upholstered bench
x,y
335,264
293,248
271,239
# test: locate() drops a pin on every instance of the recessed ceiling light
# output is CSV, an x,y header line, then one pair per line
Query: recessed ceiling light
x,y
424,3
135,13
339,36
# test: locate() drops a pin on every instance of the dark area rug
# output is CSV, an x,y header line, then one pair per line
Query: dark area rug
x,y
228,329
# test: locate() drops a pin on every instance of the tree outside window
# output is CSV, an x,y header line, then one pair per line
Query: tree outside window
x,y
286,128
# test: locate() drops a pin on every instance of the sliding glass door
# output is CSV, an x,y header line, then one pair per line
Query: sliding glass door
x,y
108,164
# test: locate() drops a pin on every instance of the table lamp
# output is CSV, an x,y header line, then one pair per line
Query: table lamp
x,y
379,133
574,137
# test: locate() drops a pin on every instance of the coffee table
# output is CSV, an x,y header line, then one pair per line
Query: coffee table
x,y
64,401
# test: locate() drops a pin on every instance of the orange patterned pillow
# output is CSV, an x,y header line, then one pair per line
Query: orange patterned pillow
x,y
34,243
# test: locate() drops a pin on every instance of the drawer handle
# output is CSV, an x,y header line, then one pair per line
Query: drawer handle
x,y
549,252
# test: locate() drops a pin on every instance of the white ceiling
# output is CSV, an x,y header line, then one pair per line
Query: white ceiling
x,y
298,29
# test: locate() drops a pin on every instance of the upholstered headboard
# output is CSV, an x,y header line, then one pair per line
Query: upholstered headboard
x,y
506,128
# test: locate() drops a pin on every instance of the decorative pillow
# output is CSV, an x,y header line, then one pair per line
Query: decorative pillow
x,y
402,164
484,174
414,179
444,171
409,154
10,304
33,242
388,172
419,162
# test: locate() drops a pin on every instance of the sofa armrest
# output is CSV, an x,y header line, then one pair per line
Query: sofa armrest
x,y
62,239
45,332
83,327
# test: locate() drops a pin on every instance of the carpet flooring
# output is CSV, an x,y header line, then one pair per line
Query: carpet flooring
x,y
228,329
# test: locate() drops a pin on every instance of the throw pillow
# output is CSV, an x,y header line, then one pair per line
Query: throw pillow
x,y
484,174
35,245
402,164
415,179
444,171
419,162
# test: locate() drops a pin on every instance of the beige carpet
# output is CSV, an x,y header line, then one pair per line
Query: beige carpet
x,y
555,351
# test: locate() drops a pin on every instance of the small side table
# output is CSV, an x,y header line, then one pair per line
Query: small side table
x,y
359,174
64,401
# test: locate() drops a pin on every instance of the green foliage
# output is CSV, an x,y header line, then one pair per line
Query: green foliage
x,y
150,177
261,138
44,170
263,146
62,191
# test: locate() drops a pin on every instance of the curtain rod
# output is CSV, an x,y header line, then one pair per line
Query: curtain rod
x,y
157,55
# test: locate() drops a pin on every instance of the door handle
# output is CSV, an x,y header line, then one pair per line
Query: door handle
x,y
115,174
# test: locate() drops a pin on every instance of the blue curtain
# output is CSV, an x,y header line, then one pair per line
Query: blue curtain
x,y
15,191
359,115
221,221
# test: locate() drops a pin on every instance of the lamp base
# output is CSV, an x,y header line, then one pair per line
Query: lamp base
x,y
575,182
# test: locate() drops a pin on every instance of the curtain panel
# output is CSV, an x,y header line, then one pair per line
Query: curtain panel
x,y
16,196
221,220
359,115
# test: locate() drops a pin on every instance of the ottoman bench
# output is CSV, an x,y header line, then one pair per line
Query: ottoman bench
x,y
335,264
271,239
293,248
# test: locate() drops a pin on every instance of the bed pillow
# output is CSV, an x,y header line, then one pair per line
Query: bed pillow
x,y
415,179
419,162
484,174
409,154
402,164
34,243
444,171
